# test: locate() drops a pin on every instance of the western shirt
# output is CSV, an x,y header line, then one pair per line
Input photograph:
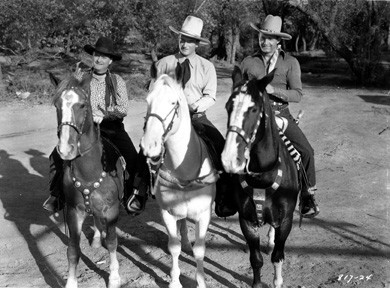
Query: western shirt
x,y
287,79
98,92
201,88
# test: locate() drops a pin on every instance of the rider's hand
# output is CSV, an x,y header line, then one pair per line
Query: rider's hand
x,y
97,119
270,89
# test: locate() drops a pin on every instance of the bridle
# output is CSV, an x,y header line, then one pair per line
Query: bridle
x,y
79,128
248,139
174,110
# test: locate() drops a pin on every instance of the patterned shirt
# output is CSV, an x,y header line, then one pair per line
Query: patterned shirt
x,y
98,92
201,89
287,79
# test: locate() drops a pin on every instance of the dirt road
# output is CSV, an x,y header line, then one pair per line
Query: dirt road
x,y
347,245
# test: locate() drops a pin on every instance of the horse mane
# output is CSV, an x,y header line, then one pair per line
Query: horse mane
x,y
67,84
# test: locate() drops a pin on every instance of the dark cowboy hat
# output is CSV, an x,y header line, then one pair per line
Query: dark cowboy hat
x,y
104,46
272,26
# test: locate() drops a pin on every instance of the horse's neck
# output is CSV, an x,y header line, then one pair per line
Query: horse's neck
x,y
183,150
267,149
89,165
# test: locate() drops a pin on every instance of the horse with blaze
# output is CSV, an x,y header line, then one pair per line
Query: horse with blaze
x,y
255,150
92,178
185,183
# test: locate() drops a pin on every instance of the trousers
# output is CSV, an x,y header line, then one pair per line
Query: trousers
x,y
300,142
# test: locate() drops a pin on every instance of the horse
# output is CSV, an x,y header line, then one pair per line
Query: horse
x,y
185,177
255,150
92,177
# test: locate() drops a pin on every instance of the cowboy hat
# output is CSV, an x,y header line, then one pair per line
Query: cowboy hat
x,y
104,46
272,26
192,27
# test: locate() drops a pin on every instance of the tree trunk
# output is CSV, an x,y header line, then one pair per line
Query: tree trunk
x,y
2,83
229,44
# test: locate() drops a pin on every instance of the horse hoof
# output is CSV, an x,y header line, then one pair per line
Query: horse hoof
x,y
114,284
175,285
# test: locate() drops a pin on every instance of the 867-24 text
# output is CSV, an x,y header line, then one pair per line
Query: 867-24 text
x,y
351,278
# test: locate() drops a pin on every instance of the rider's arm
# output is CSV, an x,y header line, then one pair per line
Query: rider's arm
x,y
209,91
293,91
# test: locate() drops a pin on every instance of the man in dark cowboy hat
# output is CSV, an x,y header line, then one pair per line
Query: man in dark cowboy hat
x,y
199,82
284,88
109,101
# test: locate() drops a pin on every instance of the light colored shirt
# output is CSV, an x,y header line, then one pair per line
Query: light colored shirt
x,y
98,92
201,88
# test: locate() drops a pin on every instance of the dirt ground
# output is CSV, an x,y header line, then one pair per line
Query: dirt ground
x,y
347,245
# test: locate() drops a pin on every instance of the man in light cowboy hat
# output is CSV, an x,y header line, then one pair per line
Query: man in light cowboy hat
x,y
285,87
109,101
200,86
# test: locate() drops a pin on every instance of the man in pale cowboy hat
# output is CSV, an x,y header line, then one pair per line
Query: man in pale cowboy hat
x,y
199,83
285,87
109,101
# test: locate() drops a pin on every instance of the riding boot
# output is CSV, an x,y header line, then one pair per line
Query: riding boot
x,y
56,200
136,202
225,204
309,207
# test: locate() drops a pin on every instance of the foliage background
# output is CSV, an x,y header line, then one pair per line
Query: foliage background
x,y
356,31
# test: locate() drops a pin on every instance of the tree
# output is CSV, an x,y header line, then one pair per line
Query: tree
x,y
353,30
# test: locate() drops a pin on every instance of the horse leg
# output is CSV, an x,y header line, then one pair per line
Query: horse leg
x,y
251,233
174,247
75,220
97,236
199,248
112,244
271,239
185,242
277,256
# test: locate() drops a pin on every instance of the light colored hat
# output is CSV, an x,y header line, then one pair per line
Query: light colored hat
x,y
192,27
272,26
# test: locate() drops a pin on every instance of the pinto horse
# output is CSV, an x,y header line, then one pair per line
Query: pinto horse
x,y
92,177
255,150
185,185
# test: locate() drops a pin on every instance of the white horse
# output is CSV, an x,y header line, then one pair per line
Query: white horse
x,y
185,184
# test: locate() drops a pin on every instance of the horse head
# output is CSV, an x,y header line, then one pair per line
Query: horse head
x,y
166,104
74,116
246,110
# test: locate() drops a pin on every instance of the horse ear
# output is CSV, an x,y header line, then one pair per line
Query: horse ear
x,y
269,77
53,79
153,68
237,76
263,82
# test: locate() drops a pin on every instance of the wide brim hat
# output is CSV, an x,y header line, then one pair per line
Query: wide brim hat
x,y
192,27
272,26
104,46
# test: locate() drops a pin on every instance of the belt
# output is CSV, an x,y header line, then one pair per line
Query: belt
x,y
197,115
278,106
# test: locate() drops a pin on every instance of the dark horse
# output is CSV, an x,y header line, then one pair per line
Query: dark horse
x,y
255,150
93,175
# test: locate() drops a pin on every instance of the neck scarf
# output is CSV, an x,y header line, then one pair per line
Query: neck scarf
x,y
110,88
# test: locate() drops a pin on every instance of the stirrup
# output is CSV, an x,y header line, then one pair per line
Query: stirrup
x,y
52,204
309,207
141,197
